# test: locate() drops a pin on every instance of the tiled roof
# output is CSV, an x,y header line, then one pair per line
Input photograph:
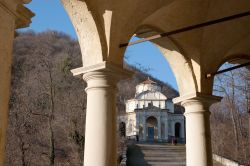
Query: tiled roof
x,y
148,81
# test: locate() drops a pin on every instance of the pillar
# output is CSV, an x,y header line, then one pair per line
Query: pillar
x,y
159,128
198,135
166,128
144,128
7,35
11,17
100,130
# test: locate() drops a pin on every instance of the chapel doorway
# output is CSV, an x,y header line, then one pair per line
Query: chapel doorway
x,y
151,129
177,130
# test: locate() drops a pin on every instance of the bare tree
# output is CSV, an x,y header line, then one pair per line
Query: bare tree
x,y
232,111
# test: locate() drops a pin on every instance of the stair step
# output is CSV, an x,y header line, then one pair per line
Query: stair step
x,y
157,155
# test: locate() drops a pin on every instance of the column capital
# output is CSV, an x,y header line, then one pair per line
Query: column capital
x,y
103,67
102,75
197,97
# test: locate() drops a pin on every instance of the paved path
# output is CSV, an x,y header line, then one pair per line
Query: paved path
x,y
157,155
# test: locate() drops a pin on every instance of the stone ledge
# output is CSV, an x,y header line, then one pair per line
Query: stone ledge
x,y
103,66
24,16
197,96
225,161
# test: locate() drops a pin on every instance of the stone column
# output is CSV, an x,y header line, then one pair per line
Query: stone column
x,y
12,15
166,129
100,131
144,128
198,136
159,128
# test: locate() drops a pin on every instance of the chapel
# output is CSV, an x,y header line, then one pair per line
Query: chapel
x,y
151,116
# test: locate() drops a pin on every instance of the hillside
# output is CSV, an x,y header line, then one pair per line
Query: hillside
x,y
47,106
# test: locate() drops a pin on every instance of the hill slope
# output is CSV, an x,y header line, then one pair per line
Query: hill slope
x,y
47,106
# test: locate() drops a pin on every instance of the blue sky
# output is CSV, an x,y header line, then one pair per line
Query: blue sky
x,y
50,15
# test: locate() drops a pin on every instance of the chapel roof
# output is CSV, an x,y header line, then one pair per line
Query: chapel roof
x,y
148,81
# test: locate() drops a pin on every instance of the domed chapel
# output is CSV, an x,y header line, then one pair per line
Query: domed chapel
x,y
151,116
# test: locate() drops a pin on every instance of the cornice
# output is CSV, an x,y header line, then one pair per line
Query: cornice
x,y
21,14
24,16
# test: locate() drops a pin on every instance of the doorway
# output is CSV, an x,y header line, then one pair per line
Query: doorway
x,y
151,128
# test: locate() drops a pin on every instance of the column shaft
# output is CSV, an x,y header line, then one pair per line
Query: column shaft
x,y
144,128
100,134
198,137
166,129
159,128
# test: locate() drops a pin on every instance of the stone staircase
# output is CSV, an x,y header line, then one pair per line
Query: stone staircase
x,y
156,155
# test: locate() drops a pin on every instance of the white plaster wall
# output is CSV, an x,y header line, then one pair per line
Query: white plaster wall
x,y
147,87
170,105
131,129
133,104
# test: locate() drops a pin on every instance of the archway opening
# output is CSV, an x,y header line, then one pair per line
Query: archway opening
x,y
157,62
147,58
54,54
230,118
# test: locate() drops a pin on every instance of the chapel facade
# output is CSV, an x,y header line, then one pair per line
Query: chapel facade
x,y
151,116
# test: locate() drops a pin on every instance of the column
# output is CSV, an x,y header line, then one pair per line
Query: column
x,y
144,128
198,136
166,129
100,131
7,35
11,17
159,128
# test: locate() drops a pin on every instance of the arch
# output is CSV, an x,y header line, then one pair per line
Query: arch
x,y
232,59
90,34
151,123
177,129
122,129
179,63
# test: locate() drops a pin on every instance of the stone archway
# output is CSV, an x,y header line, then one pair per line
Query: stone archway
x,y
151,128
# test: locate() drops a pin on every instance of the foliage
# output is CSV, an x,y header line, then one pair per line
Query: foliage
x,y
47,108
